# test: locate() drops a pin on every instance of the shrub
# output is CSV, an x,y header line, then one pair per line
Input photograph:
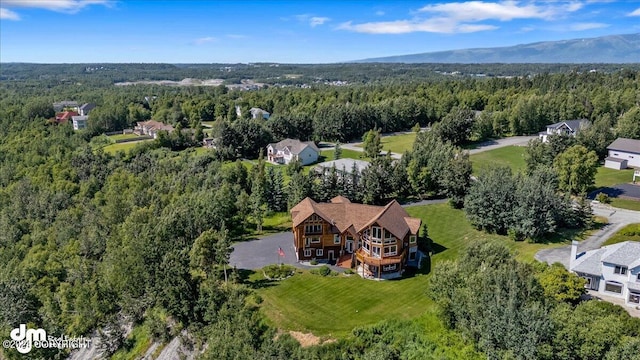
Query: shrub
x,y
278,272
324,271
349,271
314,262
603,198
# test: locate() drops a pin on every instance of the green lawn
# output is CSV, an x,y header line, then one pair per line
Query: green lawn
x,y
114,148
398,143
123,137
626,204
512,156
629,232
609,177
333,306
327,155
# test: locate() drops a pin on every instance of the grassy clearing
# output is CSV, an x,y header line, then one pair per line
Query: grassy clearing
x,y
328,155
398,143
630,232
610,177
114,148
123,137
333,306
511,156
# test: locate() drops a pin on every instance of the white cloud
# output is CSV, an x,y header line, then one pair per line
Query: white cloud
x,y
317,20
466,17
204,40
55,5
380,13
635,12
586,26
435,25
313,21
7,14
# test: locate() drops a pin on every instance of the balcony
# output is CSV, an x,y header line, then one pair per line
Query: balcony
x,y
363,257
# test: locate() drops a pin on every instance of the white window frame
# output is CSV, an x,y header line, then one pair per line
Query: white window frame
x,y
390,240
389,252
614,283
374,230
366,247
307,252
313,229
620,270
588,284
319,252
336,239
389,267
315,239
413,239
375,251
635,296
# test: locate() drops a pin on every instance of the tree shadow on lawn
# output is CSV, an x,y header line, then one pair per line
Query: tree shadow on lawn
x,y
566,235
254,279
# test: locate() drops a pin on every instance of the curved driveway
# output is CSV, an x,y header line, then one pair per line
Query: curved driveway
x,y
617,219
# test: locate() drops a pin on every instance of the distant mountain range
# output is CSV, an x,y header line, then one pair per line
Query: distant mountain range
x,y
606,49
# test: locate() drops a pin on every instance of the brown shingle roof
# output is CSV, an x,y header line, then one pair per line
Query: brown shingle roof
x,y
345,215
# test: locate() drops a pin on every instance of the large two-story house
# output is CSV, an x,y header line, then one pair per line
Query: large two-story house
x,y
288,150
382,240
612,270
568,127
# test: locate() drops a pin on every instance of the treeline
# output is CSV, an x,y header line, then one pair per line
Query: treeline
x,y
513,310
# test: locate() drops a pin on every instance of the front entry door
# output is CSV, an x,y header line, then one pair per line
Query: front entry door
x,y
349,246
330,254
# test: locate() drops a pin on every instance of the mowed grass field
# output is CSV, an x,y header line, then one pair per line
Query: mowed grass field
x,y
123,137
398,143
333,306
609,177
511,156
114,148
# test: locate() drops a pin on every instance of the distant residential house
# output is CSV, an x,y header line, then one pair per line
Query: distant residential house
x,y
569,127
343,166
85,109
613,270
257,113
59,106
287,150
380,240
151,128
623,153
79,122
65,116
209,143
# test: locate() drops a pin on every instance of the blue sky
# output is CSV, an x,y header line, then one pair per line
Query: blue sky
x,y
72,31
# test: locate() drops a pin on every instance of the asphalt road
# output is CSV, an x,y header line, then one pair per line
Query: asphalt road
x,y
618,218
255,254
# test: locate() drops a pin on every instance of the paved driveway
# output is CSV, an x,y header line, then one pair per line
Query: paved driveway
x,y
631,191
618,218
259,253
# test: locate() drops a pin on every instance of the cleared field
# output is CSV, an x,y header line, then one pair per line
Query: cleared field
x,y
114,148
123,137
398,143
629,232
511,156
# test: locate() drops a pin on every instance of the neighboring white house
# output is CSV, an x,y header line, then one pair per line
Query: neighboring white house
x,y
67,104
613,270
288,150
79,122
343,166
255,113
623,153
569,127
151,128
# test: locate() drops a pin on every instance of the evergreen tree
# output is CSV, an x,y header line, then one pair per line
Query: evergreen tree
x,y
337,153
371,142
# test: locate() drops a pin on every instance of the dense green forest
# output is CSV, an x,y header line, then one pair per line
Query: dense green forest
x,y
88,239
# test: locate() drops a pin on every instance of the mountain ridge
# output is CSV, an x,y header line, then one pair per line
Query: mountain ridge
x,y
624,48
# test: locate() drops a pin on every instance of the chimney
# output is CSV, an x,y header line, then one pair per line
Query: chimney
x,y
574,253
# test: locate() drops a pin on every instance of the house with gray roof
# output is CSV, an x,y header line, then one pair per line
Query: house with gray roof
x,y
623,153
288,150
85,109
612,270
259,113
568,127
